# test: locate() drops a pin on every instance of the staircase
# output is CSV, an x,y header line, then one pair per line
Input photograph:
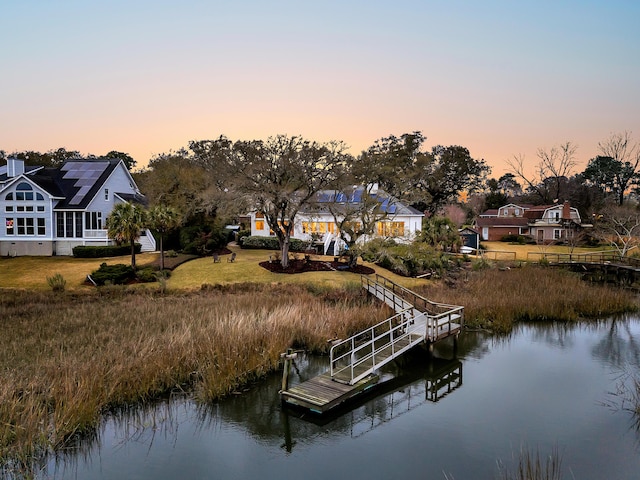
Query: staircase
x,y
417,320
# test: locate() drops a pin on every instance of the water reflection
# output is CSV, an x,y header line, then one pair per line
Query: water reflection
x,y
544,385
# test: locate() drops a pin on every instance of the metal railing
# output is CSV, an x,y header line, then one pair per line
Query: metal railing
x,y
416,319
419,302
359,355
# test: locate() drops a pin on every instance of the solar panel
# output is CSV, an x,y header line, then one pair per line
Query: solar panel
x,y
392,208
85,175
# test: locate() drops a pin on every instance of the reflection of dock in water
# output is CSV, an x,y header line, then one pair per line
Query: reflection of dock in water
x,y
421,381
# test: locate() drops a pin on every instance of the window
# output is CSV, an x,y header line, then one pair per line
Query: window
x,y
516,212
25,226
557,233
9,196
69,224
318,227
39,197
9,226
391,229
259,224
8,208
93,220
106,194
41,226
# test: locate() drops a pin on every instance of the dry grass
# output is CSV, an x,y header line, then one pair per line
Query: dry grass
x,y
494,299
65,359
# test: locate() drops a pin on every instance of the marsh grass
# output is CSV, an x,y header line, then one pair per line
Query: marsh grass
x,y
67,359
532,467
494,299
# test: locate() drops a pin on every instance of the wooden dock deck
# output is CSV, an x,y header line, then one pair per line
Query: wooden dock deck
x,y
355,361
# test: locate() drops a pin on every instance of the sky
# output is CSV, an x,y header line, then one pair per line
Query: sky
x,y
501,78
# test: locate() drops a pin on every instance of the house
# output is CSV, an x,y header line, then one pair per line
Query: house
x,y
315,223
48,211
544,223
552,223
507,220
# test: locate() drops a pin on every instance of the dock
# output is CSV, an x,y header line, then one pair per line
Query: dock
x,y
355,362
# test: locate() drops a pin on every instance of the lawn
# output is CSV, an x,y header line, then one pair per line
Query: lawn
x,y
32,272
506,251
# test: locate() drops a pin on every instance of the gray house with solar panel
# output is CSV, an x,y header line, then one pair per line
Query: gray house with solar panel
x,y
48,211
316,222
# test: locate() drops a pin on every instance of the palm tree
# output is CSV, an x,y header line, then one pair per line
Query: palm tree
x,y
124,224
163,219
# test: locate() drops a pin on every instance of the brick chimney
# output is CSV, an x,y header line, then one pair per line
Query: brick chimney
x,y
566,210
15,167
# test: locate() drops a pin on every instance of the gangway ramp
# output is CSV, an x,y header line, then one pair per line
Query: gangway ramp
x,y
355,362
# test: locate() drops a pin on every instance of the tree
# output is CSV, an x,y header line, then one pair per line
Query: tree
x,y
281,175
553,168
440,233
428,180
124,224
617,168
439,177
620,227
129,162
174,180
495,198
163,219
357,215
389,162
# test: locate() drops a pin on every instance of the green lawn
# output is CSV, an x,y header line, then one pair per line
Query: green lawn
x,y
32,272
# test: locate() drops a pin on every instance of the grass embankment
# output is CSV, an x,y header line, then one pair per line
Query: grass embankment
x,y
495,299
66,359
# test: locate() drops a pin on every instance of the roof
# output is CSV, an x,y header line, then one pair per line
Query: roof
x,y
388,203
76,182
27,170
501,222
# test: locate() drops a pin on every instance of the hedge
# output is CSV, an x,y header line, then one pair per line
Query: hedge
x,y
271,243
98,251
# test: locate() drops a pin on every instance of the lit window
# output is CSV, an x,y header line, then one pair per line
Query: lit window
x,y
259,224
9,226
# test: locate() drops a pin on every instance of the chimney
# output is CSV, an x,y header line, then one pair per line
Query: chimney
x,y
566,210
15,167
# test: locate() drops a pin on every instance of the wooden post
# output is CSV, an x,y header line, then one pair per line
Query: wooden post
x,y
288,359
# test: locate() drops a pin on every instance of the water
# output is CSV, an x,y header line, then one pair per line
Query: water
x,y
544,387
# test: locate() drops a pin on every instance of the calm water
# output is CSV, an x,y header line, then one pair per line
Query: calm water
x,y
543,387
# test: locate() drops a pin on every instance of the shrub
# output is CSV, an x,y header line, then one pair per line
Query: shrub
x,y
57,282
99,251
118,274
271,243
146,274
408,259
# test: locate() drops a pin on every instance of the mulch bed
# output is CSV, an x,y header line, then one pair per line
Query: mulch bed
x,y
301,266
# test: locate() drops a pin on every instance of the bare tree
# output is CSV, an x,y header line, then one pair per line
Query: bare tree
x,y
554,166
620,227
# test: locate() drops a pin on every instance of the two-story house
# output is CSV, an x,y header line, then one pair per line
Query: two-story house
x,y
48,211
544,223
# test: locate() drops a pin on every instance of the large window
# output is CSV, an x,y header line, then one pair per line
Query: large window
x,y
391,229
69,224
318,227
9,225
259,224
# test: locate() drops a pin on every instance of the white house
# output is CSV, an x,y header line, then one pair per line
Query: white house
x,y
48,211
396,221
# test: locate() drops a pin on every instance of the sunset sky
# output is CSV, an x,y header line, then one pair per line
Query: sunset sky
x,y
501,78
